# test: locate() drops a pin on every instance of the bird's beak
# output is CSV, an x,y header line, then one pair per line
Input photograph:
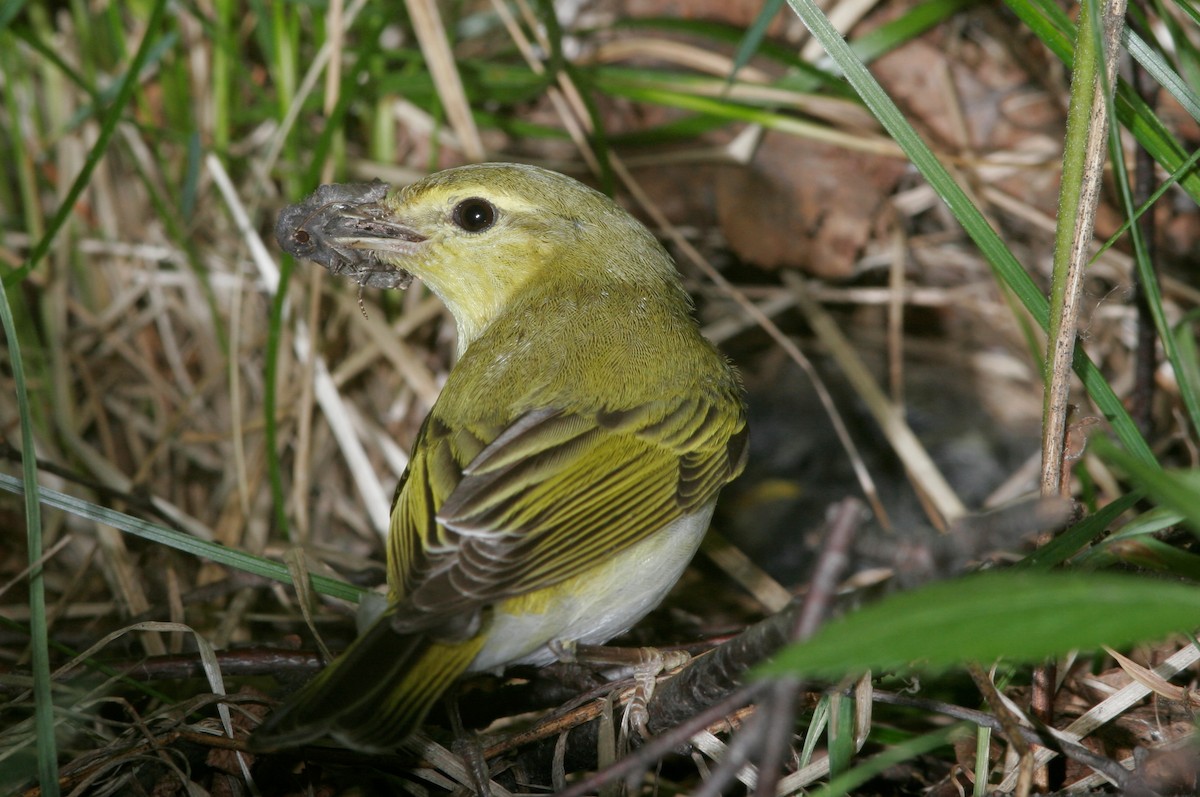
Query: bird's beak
x,y
350,231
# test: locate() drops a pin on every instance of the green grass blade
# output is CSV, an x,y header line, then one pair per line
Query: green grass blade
x,y
1148,277
754,36
880,104
1078,197
1184,335
224,67
1132,218
893,755
1067,544
725,34
841,733
9,10
23,164
46,51
47,749
1151,554
1174,490
1153,62
915,21
193,546
1052,25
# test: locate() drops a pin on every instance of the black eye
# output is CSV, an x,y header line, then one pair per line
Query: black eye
x,y
475,214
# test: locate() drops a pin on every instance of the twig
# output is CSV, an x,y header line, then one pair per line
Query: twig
x,y
1112,706
256,661
778,715
765,736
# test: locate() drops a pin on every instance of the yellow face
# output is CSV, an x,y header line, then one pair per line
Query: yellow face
x,y
492,231
485,235
479,236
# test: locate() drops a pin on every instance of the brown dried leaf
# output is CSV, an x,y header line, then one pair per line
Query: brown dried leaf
x,y
804,204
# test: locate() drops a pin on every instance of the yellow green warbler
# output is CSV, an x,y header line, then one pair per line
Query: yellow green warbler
x,y
568,470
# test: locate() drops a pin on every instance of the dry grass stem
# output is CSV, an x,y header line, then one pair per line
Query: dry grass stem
x,y
431,33
336,411
1112,707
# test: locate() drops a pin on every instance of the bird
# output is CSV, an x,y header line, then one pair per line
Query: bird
x,y
568,469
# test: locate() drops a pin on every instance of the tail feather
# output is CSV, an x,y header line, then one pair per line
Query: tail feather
x,y
384,723
374,695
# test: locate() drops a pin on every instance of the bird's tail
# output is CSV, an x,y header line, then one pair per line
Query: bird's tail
x,y
374,695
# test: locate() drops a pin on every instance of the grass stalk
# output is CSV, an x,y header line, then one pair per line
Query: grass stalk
x,y
1079,195
47,747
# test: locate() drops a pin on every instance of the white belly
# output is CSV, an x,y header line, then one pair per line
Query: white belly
x,y
610,598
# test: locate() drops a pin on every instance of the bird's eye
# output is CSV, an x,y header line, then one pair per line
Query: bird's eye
x,y
475,214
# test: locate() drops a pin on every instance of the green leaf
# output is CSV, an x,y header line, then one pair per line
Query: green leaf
x,y
1019,616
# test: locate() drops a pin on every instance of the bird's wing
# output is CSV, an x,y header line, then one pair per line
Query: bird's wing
x,y
488,512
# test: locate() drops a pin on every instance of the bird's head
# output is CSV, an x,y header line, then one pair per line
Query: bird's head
x,y
479,236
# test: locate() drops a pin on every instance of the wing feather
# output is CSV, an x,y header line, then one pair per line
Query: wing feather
x,y
552,494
